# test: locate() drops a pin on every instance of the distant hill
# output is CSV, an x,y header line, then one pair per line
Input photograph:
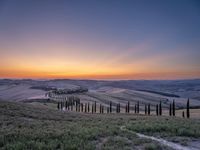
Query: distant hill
x,y
117,91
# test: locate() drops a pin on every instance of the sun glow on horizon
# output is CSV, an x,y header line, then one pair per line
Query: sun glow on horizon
x,y
78,41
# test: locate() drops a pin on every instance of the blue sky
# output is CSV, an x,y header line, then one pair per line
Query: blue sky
x,y
127,38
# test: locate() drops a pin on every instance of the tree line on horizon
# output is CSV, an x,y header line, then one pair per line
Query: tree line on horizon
x,y
74,103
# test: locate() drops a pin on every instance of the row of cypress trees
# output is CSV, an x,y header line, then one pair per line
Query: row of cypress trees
x,y
80,107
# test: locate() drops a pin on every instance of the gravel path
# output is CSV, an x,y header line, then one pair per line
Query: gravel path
x,y
162,141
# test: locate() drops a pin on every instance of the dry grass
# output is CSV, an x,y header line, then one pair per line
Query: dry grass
x,y
27,126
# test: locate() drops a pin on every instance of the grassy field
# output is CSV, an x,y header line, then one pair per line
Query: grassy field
x,y
27,126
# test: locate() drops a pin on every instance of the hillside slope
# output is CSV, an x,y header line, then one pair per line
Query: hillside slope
x,y
24,126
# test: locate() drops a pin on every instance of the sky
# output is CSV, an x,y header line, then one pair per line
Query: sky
x,y
100,39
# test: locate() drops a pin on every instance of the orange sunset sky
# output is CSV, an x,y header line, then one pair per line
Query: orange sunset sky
x,y
99,39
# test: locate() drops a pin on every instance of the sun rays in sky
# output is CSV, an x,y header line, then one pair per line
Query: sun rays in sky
x,y
100,39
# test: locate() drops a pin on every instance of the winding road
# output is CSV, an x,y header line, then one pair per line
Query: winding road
x,y
162,141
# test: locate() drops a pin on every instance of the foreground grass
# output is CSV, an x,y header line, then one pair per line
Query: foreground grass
x,y
167,127
23,126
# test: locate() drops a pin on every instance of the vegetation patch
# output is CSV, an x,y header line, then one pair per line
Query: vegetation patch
x,y
25,126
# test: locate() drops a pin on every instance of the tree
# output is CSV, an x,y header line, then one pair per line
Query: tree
x,y
149,109
88,107
173,108
110,107
138,107
102,109
81,107
135,108
170,109
95,106
85,107
160,111
66,104
157,109
71,107
188,108
145,109
128,107
92,108
58,106
183,114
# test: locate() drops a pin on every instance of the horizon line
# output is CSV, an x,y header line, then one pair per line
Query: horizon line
x,y
99,79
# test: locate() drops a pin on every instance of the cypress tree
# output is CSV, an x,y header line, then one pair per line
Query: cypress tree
x,y
128,107
58,105
99,108
157,109
149,109
145,109
138,107
102,109
160,111
170,109
92,108
110,107
95,106
119,107
71,107
85,107
183,114
135,108
81,107
188,108
88,107
173,108
66,104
